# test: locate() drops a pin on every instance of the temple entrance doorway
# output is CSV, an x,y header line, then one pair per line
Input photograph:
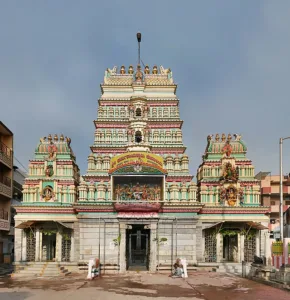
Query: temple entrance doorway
x,y
137,248
230,248
48,247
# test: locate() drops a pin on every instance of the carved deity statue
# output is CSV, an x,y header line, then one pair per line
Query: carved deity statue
x,y
139,74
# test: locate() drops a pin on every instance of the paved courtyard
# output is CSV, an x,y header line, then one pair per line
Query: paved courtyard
x,y
200,285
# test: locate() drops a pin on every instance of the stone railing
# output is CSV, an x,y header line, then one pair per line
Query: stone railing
x,y
6,155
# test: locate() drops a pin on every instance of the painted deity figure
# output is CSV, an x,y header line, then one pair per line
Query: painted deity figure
x,y
118,192
52,149
156,193
145,193
137,191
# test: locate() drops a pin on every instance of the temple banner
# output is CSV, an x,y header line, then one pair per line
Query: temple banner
x,y
137,160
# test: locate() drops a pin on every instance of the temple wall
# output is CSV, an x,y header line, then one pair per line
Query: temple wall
x,y
181,241
89,240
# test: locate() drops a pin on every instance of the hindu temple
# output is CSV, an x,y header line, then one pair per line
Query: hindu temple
x,y
138,206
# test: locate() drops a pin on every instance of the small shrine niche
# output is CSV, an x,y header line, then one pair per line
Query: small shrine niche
x,y
138,137
138,112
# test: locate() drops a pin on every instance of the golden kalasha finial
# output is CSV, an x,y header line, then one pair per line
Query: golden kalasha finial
x,y
55,138
147,70
131,70
217,137
223,137
155,70
229,137
123,70
49,138
61,138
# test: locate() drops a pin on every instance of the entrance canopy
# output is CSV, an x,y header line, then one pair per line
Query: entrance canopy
x,y
29,224
26,224
250,224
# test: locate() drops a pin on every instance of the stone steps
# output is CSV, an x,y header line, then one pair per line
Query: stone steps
x,y
233,268
42,270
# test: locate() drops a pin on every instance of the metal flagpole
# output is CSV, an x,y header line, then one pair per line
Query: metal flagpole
x,y
139,41
281,186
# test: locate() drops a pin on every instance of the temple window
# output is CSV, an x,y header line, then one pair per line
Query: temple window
x,y
138,112
138,137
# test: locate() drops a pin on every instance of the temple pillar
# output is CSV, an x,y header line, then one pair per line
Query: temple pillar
x,y
153,247
242,248
219,252
257,237
122,259
58,245
38,245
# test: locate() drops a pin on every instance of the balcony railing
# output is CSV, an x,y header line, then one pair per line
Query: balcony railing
x,y
5,180
6,154
4,215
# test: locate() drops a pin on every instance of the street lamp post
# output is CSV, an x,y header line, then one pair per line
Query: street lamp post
x,y
281,186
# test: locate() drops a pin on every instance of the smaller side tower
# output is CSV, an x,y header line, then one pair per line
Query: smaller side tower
x,y
53,173
226,176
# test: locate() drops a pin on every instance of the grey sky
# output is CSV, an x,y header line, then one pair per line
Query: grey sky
x,y
230,59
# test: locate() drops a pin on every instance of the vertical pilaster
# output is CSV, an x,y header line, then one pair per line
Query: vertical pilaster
x,y
38,245
58,247
123,248
153,247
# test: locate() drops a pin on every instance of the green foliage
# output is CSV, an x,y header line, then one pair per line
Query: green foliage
x,y
229,232
248,233
117,241
66,236
48,232
161,240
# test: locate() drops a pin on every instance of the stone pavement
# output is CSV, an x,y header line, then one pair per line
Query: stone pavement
x,y
200,285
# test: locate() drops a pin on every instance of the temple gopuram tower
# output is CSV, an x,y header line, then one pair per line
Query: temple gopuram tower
x,y
137,206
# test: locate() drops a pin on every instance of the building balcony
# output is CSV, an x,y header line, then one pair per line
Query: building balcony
x,y
4,220
5,186
6,155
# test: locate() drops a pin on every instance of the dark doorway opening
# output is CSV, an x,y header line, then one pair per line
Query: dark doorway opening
x,y
137,248
230,248
48,247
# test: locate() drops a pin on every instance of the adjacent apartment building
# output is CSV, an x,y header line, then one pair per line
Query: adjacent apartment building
x,y
6,186
270,196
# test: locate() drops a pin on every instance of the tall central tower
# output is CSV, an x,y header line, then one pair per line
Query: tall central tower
x,y
138,112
